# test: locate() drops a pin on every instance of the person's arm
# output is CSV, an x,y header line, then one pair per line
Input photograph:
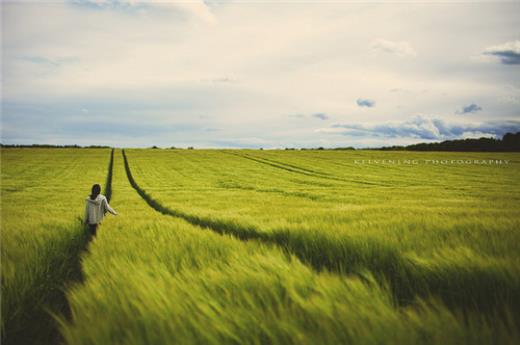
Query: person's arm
x,y
108,208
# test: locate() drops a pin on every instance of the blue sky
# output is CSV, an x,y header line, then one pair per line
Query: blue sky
x,y
258,74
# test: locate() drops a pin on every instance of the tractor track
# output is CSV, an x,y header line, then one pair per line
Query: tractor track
x,y
406,278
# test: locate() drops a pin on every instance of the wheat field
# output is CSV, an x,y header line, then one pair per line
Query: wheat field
x,y
261,247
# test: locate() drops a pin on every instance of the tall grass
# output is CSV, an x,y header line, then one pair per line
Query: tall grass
x,y
156,279
42,198
462,279
330,252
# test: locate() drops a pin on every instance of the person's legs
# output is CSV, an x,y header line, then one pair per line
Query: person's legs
x,y
92,229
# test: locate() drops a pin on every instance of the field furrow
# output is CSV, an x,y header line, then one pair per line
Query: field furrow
x,y
42,235
461,282
155,279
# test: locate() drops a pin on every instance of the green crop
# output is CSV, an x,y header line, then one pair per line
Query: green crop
x,y
42,194
296,247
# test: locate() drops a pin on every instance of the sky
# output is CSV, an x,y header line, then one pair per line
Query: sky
x,y
253,74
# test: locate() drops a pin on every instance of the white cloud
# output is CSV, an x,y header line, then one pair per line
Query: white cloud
x,y
425,128
195,8
399,48
246,66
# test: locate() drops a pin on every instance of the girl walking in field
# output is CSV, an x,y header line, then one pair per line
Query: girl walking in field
x,y
96,205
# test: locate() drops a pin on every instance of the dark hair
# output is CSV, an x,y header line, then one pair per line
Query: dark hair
x,y
96,189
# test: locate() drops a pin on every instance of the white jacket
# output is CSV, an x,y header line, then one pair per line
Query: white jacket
x,y
95,209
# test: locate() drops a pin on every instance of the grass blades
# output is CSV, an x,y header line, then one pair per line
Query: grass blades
x,y
373,254
42,237
156,279
462,280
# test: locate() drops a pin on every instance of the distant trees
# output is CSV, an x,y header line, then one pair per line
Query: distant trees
x,y
344,148
324,148
509,143
49,146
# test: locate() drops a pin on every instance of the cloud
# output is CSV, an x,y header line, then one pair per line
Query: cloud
x,y
161,64
218,80
39,60
56,62
399,48
470,108
508,53
426,129
104,3
321,116
192,8
363,102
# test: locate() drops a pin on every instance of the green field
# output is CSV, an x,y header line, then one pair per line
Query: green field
x,y
42,192
261,247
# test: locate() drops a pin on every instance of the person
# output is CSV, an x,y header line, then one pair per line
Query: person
x,y
96,206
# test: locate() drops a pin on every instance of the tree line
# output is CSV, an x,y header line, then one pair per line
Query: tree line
x,y
50,146
510,142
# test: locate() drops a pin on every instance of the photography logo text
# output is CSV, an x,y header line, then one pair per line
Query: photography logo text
x,y
433,161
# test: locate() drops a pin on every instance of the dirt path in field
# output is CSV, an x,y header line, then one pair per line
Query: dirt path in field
x,y
59,304
39,324
407,278
283,239
220,227
290,243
